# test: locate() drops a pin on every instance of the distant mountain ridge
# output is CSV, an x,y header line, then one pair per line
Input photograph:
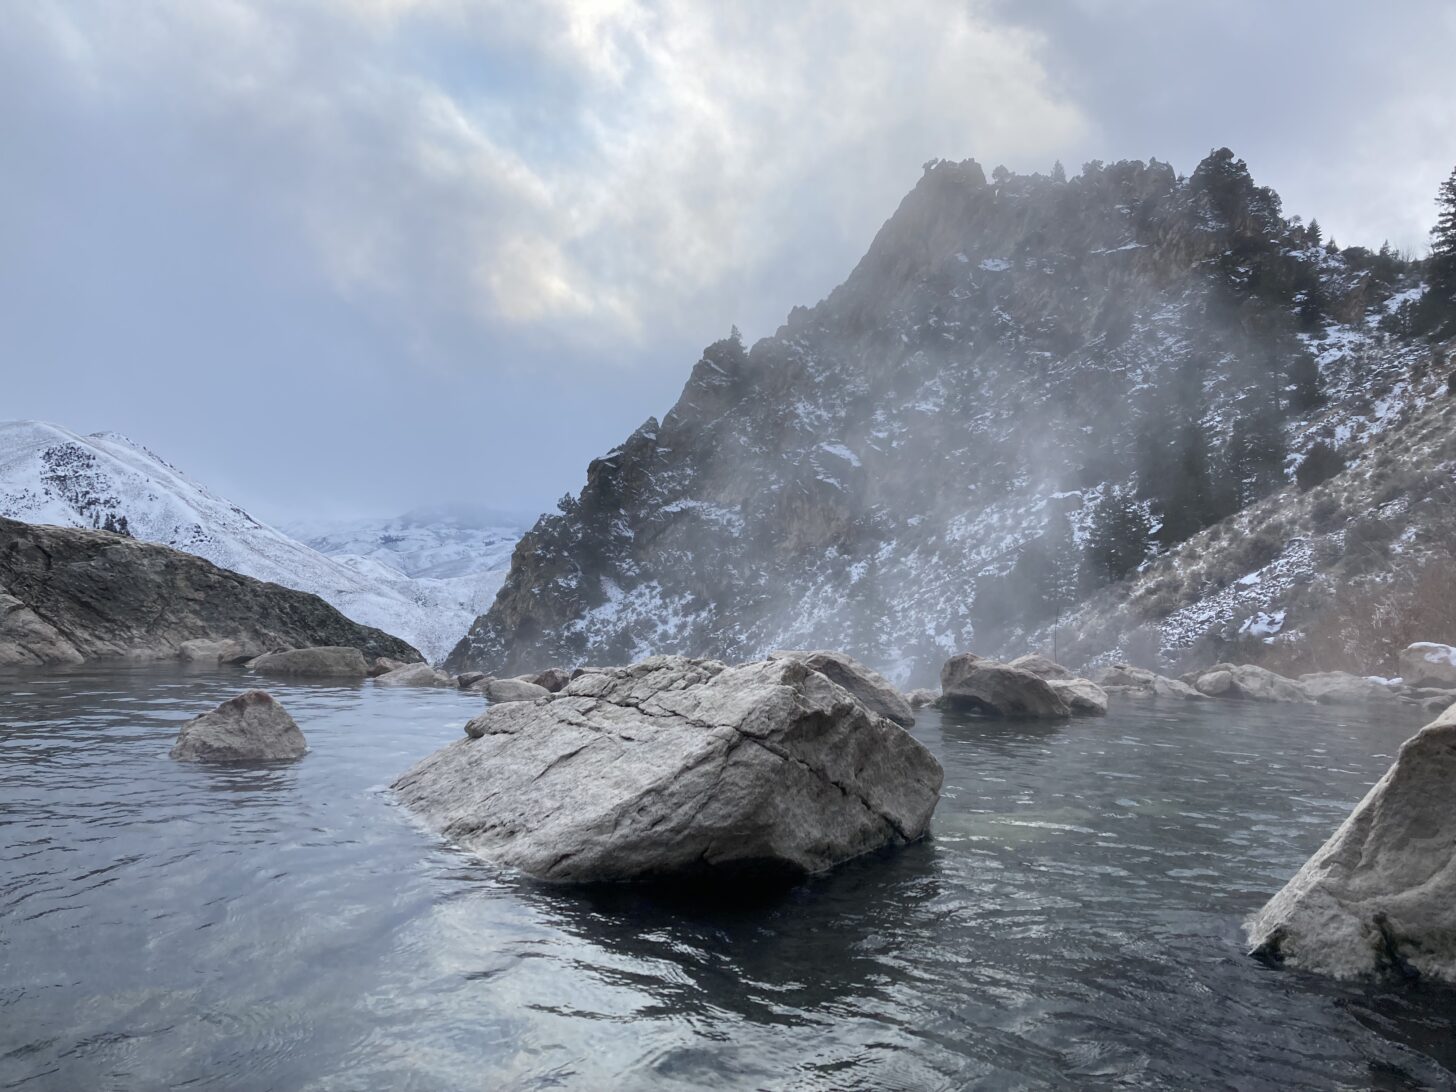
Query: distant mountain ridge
x,y
105,481
442,542
1027,389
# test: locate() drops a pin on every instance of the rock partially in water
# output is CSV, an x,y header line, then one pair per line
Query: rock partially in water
x,y
1248,683
1083,696
383,665
251,727
1139,682
919,699
1043,667
993,689
872,689
1426,663
70,596
553,679
415,675
498,691
215,652
1381,893
466,680
1343,688
324,662
674,767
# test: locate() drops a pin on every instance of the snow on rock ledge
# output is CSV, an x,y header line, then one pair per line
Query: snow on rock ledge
x,y
1426,663
1381,893
674,767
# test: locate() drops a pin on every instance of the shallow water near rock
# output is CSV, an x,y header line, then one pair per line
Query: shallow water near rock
x,y
1073,922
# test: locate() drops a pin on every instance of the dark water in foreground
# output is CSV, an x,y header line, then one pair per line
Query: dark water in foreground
x,y
1074,923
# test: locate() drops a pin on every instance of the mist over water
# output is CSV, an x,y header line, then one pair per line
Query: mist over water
x,y
1073,922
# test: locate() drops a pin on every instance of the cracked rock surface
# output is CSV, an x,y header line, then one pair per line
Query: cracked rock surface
x,y
676,766
1381,893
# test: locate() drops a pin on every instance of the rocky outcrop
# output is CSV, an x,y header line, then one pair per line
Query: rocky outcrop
x,y
674,767
1428,664
506,690
326,662
1139,682
1381,893
1343,688
1248,683
72,596
971,684
415,675
1083,696
871,688
251,727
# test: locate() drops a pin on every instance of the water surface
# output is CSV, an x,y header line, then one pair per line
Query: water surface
x,y
1073,923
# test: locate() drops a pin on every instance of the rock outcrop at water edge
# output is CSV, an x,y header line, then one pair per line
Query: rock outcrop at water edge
x,y
1381,893
415,675
1426,663
504,690
70,596
1248,683
1129,681
971,684
251,727
1343,688
676,767
325,662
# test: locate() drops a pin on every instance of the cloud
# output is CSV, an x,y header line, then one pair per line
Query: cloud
x,y
600,167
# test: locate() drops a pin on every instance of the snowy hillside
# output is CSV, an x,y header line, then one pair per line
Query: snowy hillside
x,y
442,543
51,475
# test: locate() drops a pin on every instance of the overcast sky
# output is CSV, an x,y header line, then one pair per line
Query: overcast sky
x,y
339,257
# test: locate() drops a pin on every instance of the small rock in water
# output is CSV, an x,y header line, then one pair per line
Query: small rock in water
x,y
993,689
414,675
675,767
467,679
249,727
329,661
1381,893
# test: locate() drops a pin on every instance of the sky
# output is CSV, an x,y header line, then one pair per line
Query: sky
x,y
341,258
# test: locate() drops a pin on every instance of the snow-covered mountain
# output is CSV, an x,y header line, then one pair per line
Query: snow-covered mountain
x,y
1029,390
51,475
441,542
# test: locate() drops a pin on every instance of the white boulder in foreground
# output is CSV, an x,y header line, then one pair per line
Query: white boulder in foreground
x,y
251,727
674,767
1428,664
1381,893
871,688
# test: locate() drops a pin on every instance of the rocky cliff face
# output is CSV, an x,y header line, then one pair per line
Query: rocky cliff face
x,y
72,596
1010,359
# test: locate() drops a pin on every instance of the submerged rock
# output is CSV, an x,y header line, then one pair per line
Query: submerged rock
x,y
1381,893
1247,682
1428,664
865,683
414,675
1342,688
1132,681
248,728
675,766
329,661
993,689
505,690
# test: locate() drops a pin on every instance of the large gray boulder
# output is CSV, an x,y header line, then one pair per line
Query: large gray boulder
x,y
1083,696
70,596
415,675
1343,688
251,727
1139,682
553,679
674,766
1043,667
1381,893
1428,664
498,691
971,684
326,662
865,683
1247,683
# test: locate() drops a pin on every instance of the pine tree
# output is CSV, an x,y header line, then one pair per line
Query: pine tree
x,y
1117,538
1313,233
1437,311
1443,235
1059,173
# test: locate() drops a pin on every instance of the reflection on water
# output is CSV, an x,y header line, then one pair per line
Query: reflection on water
x,y
1074,922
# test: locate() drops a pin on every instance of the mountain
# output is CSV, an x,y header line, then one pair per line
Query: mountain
x,y
70,596
106,481
1028,391
442,543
